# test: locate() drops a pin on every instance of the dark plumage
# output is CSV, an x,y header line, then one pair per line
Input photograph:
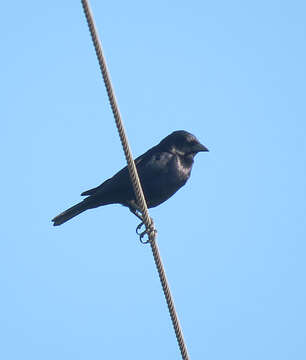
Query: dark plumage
x,y
163,170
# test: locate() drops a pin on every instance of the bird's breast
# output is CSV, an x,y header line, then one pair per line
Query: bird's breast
x,y
174,175
182,169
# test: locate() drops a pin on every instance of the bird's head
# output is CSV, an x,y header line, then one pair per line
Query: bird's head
x,y
182,143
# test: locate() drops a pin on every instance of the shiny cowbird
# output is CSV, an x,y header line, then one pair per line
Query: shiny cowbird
x,y
162,170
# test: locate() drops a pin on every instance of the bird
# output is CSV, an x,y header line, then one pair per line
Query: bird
x,y
162,170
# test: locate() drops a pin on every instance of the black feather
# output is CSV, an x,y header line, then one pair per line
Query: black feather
x,y
162,170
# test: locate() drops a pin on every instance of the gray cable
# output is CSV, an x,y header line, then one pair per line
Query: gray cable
x,y
135,179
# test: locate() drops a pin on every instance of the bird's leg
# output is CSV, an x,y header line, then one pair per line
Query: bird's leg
x,y
136,211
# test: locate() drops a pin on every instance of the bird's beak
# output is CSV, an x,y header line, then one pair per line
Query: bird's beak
x,y
199,147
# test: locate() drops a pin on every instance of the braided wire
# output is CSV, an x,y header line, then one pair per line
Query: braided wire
x,y
174,318
135,180
115,109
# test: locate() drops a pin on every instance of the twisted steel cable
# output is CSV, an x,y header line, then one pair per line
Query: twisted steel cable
x,y
135,179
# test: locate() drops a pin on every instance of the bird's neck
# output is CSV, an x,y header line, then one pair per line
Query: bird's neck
x,y
187,160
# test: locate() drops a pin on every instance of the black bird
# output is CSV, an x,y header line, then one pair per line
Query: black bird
x,y
162,171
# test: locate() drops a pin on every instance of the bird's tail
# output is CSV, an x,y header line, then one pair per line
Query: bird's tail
x,y
70,213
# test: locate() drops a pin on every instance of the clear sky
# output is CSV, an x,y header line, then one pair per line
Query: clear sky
x,y
232,240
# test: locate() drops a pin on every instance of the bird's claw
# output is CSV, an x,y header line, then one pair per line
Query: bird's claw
x,y
139,226
151,231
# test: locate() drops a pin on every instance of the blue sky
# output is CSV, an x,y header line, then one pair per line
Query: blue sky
x,y
232,240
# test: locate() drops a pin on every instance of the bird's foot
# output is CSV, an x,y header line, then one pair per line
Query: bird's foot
x,y
139,226
151,232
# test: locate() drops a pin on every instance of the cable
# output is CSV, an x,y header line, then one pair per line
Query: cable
x,y
135,179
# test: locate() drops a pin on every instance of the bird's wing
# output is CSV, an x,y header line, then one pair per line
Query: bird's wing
x,y
154,165
146,167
